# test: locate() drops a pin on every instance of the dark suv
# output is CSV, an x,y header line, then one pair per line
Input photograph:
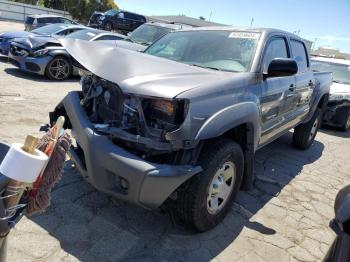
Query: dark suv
x,y
35,21
120,21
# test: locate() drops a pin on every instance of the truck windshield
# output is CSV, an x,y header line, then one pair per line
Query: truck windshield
x,y
147,34
231,51
341,73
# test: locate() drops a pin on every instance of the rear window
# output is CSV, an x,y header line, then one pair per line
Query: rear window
x,y
48,20
300,55
84,34
30,20
49,29
109,37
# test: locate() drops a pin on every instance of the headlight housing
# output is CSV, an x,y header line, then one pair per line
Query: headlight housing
x,y
41,52
165,114
339,96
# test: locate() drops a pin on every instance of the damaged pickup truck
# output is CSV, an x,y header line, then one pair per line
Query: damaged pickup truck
x,y
181,122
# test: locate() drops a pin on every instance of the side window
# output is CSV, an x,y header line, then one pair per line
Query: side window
x,y
300,55
277,48
121,15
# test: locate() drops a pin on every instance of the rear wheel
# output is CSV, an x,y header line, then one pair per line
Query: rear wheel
x,y
304,134
108,26
205,199
346,125
59,69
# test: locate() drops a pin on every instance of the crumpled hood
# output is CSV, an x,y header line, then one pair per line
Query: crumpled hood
x,y
339,88
16,34
35,42
139,73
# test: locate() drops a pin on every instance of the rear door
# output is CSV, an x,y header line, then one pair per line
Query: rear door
x,y
305,81
130,21
277,93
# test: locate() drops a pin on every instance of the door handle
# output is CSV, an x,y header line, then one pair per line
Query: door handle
x,y
292,87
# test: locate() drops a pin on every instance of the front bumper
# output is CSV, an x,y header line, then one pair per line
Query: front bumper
x,y
337,113
4,48
104,164
35,65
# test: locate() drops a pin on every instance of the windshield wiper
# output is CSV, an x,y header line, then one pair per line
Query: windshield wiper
x,y
337,81
213,68
208,67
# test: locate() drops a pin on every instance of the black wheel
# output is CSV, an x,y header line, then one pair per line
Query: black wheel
x,y
108,26
304,134
346,125
59,68
205,199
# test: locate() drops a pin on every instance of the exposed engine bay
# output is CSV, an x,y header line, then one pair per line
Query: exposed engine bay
x,y
138,123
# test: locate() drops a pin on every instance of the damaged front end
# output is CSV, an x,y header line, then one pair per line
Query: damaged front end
x,y
137,123
121,148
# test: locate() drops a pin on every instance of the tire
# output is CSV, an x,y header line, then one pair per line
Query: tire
x,y
195,206
59,69
304,134
346,125
108,26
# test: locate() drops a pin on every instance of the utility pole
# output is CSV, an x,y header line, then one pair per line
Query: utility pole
x,y
211,13
251,22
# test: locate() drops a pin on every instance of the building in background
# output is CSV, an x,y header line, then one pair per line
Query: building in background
x,y
329,51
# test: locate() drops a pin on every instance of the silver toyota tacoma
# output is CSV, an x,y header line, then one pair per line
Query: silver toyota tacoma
x,y
181,122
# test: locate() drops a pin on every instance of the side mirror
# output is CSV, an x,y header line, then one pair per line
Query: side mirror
x,y
282,67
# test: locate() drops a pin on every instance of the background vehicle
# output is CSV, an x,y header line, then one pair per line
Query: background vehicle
x,y
147,34
340,249
6,38
35,21
46,56
338,110
93,21
119,20
182,121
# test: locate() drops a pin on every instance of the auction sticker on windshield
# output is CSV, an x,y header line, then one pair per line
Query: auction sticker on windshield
x,y
248,35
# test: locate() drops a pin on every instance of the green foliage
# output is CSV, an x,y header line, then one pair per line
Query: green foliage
x,y
79,9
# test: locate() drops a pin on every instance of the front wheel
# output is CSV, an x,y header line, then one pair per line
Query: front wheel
x,y
59,68
205,199
304,134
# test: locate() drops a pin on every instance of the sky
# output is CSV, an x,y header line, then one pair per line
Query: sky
x,y
327,21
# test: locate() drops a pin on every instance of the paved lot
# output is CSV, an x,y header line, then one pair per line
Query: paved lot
x,y
284,218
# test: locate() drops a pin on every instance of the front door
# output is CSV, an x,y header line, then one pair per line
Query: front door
x,y
277,93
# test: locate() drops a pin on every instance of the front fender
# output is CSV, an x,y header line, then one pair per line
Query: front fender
x,y
230,117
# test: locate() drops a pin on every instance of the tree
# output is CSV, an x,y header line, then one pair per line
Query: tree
x,y
79,9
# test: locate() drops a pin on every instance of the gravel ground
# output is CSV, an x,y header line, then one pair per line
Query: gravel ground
x,y
284,218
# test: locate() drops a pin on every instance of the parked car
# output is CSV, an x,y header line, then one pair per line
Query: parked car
x,y
121,21
35,21
340,249
95,17
182,121
6,38
147,34
338,110
46,56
